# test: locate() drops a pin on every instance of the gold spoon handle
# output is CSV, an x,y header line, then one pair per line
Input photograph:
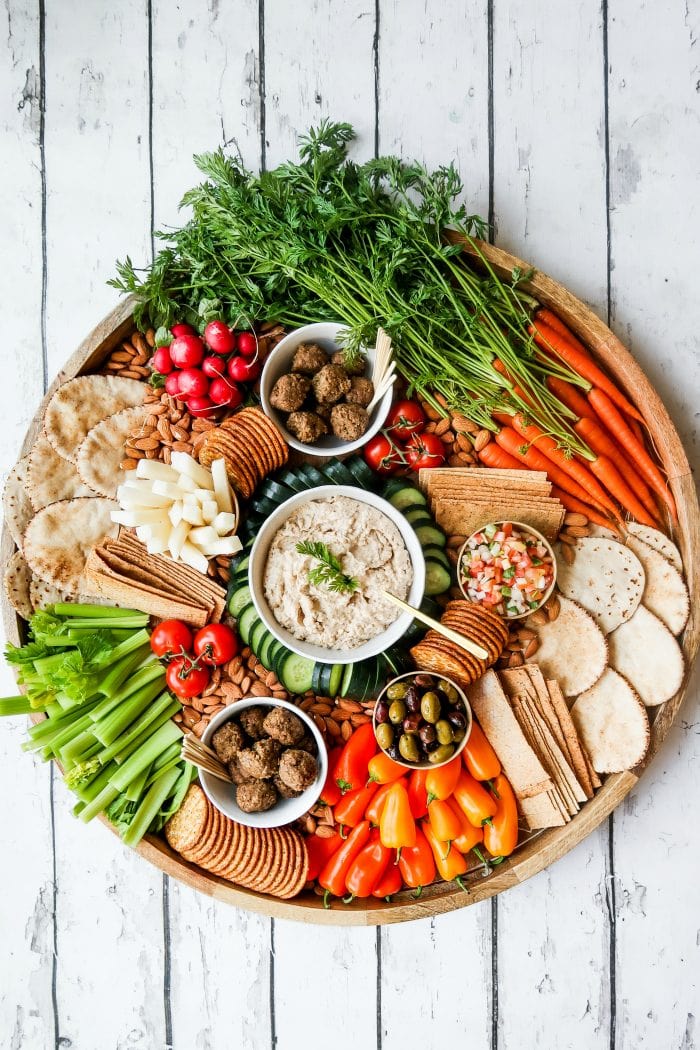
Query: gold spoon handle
x,y
446,632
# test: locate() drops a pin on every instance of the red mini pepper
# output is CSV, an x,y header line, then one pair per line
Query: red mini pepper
x,y
417,793
335,870
479,757
384,770
331,793
416,863
389,884
320,850
501,835
397,826
376,806
474,800
368,867
351,808
351,771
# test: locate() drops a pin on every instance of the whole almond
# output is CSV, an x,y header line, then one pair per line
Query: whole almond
x,y
525,634
442,427
481,440
259,689
567,553
578,530
321,709
553,608
128,464
516,660
147,444
346,730
430,427
574,518
531,648
464,443
350,705
465,458
539,618
455,542
325,831
320,723
454,460
332,727
245,684
130,373
447,438
462,423
564,537
360,720
309,825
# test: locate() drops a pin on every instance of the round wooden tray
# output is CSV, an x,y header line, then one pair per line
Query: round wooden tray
x,y
549,845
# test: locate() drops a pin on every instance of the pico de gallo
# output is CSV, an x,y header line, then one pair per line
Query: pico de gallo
x,y
506,568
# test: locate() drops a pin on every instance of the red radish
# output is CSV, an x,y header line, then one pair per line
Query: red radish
x,y
193,383
224,393
246,344
186,351
219,337
201,406
242,371
172,384
182,329
214,366
161,360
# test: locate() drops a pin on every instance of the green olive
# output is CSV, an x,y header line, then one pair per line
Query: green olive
x,y
408,748
444,731
397,691
442,753
430,707
385,735
449,690
397,712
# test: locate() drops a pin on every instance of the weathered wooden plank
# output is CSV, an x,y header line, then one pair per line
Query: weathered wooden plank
x,y
549,192
654,128
26,903
97,209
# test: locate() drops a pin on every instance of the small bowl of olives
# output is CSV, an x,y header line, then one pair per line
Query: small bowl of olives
x,y
422,720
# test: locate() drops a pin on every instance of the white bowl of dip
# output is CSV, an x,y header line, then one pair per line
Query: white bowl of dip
x,y
279,363
376,643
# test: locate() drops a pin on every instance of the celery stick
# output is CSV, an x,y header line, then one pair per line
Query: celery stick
x,y
137,639
74,748
69,610
122,623
155,773
119,672
15,705
164,737
148,809
112,725
89,790
57,736
148,673
100,802
163,760
160,710
53,710
138,785
44,664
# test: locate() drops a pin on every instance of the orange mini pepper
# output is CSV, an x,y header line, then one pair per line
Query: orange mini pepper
x,y
501,835
389,884
474,800
376,806
416,863
441,782
469,836
417,793
397,826
479,757
444,821
383,770
449,861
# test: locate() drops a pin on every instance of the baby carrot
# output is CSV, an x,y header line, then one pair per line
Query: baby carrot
x,y
492,455
599,441
604,469
536,460
570,396
579,507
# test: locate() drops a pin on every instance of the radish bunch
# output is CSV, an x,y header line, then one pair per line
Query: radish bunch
x,y
206,372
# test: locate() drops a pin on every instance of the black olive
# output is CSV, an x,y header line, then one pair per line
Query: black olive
x,y
457,719
381,712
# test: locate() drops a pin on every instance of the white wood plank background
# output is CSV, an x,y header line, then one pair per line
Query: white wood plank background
x,y
577,129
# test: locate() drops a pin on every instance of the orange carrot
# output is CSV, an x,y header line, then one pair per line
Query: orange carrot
x,y
494,456
518,390
617,426
513,444
572,466
579,507
571,396
602,444
604,469
554,322
577,357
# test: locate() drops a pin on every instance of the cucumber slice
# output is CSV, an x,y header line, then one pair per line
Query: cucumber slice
x,y
407,496
364,477
438,579
376,679
345,680
325,679
359,678
392,486
313,477
246,621
240,561
263,507
275,492
430,534
431,608
397,660
266,645
275,653
258,630
238,600
316,678
337,473
335,679
436,553
296,672
291,479
418,516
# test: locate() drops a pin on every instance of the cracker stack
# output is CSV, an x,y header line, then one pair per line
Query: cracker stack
x,y
266,860
251,446
463,499
528,723
441,656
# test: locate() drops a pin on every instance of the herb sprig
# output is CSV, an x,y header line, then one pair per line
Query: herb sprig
x,y
330,571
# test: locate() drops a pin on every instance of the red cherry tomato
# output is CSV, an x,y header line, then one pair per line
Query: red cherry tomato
x,y
193,383
223,392
405,418
214,366
185,678
381,455
215,644
246,344
182,329
219,337
186,351
172,384
425,450
162,361
242,371
170,638
201,406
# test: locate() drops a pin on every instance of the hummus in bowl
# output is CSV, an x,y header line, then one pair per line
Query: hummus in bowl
x,y
376,548
370,550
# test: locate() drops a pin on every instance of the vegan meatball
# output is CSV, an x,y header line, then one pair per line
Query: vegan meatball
x,y
254,796
307,743
227,741
306,426
298,769
283,789
251,720
331,383
349,422
235,772
361,391
309,358
323,410
262,760
354,365
289,392
284,726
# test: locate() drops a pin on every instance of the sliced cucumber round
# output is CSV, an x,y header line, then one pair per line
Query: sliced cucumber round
x,y
438,578
296,672
430,534
407,497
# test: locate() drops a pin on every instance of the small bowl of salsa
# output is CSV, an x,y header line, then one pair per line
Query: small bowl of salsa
x,y
508,567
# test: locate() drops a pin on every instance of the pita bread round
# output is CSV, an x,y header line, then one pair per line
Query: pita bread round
x,y
18,509
17,579
81,403
612,723
606,578
51,478
665,593
572,648
102,450
658,541
59,538
600,532
42,594
647,654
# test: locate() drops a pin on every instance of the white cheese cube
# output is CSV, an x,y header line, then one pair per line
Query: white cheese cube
x,y
222,488
155,471
183,463
224,523
191,556
177,537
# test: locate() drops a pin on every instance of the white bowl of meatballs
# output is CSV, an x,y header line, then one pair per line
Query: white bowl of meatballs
x,y
275,756
317,396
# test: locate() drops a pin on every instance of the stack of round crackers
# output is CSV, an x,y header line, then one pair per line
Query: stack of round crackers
x,y
267,860
250,445
441,656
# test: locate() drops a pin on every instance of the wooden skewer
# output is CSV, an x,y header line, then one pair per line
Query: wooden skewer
x,y
446,632
382,358
380,392
202,756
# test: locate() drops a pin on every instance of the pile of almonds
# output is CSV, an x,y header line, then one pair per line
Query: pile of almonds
x,y
575,527
523,642
463,438
130,359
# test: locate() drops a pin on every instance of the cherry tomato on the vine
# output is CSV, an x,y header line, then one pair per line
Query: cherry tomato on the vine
x,y
170,638
215,644
405,418
425,450
381,455
186,678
